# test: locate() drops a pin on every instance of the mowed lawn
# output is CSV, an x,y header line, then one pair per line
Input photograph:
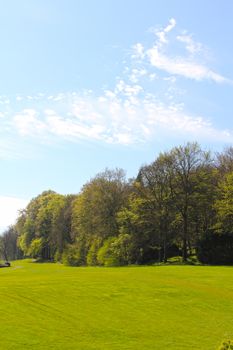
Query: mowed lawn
x,y
50,306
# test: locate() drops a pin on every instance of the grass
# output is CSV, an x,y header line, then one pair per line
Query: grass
x,y
50,306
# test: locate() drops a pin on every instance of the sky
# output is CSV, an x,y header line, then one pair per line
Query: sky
x,y
87,85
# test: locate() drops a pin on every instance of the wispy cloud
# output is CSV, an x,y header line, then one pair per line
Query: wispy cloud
x,y
28,123
183,66
189,64
125,115
191,45
144,104
162,34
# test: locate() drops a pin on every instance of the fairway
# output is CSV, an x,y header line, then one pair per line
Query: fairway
x,y
50,306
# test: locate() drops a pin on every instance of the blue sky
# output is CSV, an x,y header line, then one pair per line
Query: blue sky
x,y
90,84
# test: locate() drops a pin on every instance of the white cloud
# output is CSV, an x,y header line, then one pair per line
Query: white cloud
x,y
164,55
182,66
9,208
161,34
127,89
170,26
68,127
4,100
140,107
28,123
124,116
136,74
138,51
191,46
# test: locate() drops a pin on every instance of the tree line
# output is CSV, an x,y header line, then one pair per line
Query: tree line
x,y
179,205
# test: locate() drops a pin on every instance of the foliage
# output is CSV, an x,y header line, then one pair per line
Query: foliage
x,y
9,249
116,251
105,255
36,247
226,345
215,248
95,209
93,251
180,203
46,219
71,256
224,204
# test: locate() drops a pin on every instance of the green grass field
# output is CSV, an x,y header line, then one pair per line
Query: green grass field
x,y
50,306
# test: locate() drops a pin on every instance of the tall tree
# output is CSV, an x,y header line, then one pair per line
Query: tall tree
x,y
185,162
224,205
8,245
43,227
153,186
95,209
224,161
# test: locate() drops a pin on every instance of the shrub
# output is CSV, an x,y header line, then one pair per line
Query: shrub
x,y
36,246
105,256
122,248
226,345
58,256
216,248
71,256
93,251
116,251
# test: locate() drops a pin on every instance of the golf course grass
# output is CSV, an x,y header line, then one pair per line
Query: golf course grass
x,y
50,306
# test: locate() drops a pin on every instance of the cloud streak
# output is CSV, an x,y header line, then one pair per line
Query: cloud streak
x,y
144,104
125,115
190,64
183,66
162,34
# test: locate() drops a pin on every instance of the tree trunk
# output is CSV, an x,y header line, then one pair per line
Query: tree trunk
x,y
165,249
185,234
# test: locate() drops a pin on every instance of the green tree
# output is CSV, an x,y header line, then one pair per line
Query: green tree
x,y
224,161
153,187
185,162
8,245
95,209
224,205
47,219
138,220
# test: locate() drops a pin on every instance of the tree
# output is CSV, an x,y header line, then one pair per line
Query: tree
x,y
8,245
224,205
95,209
180,202
44,226
184,163
224,161
135,221
153,187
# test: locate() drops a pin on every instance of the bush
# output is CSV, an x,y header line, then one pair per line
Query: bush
x,y
93,251
116,251
36,246
58,256
105,255
122,249
71,256
226,345
216,248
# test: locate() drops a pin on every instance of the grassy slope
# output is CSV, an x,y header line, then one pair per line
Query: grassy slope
x,y
49,306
